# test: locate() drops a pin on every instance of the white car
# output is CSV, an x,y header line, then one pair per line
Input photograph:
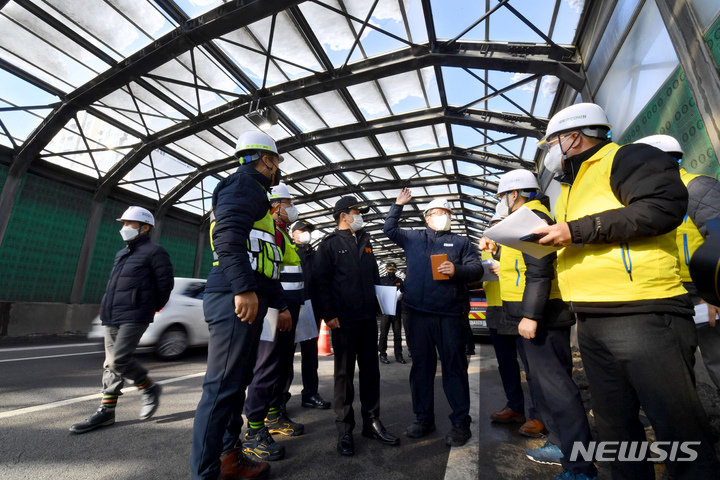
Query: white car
x,y
179,325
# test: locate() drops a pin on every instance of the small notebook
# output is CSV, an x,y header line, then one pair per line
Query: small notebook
x,y
436,261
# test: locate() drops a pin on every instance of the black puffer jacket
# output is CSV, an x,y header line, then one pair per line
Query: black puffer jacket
x,y
140,283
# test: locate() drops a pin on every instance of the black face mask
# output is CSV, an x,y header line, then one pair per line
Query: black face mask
x,y
276,178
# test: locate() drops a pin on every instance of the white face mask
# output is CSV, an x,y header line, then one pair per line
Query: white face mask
x,y
502,208
291,213
304,237
440,222
554,158
128,233
357,224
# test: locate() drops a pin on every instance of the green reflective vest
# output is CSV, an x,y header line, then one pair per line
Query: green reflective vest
x,y
265,256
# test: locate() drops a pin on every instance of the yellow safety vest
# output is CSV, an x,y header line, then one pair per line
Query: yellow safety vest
x,y
290,268
492,289
512,267
265,256
689,237
640,269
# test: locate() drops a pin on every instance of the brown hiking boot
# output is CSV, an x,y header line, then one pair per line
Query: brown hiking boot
x,y
236,466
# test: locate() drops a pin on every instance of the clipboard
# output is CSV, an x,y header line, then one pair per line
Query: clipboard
x,y
435,262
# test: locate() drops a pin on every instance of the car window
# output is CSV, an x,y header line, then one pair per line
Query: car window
x,y
195,290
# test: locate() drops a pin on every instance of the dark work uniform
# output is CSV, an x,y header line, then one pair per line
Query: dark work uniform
x,y
274,362
548,354
435,316
344,278
239,201
308,348
394,320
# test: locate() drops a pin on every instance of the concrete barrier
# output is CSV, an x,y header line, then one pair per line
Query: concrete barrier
x,y
26,318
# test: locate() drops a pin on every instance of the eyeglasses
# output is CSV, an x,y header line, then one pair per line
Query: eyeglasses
x,y
435,213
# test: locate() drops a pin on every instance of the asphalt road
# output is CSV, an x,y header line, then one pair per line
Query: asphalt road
x,y
48,384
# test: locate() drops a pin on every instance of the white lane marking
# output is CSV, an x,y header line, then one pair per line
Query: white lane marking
x,y
63,355
69,345
462,461
94,396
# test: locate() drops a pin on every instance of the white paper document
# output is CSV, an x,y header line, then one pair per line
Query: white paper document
x,y
387,297
306,327
488,276
702,315
518,224
270,325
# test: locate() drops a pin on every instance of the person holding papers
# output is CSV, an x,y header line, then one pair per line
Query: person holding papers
x,y
531,301
435,299
392,320
618,210
703,207
344,277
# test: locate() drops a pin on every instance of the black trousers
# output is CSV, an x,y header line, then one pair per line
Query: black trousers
x,y
232,351
356,342
386,322
430,334
549,357
272,370
646,360
507,348
308,368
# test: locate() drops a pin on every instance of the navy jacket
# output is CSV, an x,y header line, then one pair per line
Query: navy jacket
x,y
344,277
441,297
240,200
140,283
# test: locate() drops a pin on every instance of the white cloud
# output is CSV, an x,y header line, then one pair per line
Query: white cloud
x,y
517,77
549,86
576,5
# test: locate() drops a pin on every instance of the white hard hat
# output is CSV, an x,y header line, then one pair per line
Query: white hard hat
x,y
581,116
138,214
250,142
666,143
517,180
438,203
279,191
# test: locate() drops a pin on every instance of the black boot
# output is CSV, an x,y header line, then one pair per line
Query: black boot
x,y
384,359
150,401
103,417
399,358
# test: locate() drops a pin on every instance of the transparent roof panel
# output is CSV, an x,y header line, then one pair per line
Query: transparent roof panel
x,y
332,77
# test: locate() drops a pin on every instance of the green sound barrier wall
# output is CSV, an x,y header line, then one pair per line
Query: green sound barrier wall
x,y
712,37
180,240
3,175
39,253
207,257
672,111
107,243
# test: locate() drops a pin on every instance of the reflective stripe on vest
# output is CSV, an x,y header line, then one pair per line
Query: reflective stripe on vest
x,y
688,237
512,267
263,253
291,275
640,269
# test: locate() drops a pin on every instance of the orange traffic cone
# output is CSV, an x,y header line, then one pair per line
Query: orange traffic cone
x,y
324,348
